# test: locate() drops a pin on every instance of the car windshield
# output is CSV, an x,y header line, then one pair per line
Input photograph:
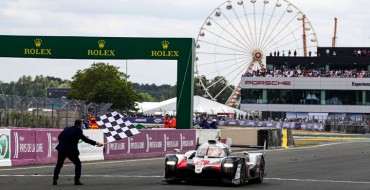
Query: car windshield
x,y
211,152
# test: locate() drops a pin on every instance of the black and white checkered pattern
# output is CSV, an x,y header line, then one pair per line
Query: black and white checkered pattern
x,y
115,127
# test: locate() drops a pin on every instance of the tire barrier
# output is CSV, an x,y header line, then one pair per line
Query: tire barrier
x,y
273,138
254,137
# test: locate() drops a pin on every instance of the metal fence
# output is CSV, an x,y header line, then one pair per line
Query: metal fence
x,y
18,111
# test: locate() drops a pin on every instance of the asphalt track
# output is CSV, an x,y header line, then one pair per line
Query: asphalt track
x,y
333,165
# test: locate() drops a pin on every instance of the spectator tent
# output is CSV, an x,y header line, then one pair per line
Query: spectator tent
x,y
201,105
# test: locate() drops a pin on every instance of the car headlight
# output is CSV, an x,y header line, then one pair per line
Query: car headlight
x,y
228,165
171,162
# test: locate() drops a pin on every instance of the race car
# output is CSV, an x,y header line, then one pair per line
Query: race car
x,y
213,161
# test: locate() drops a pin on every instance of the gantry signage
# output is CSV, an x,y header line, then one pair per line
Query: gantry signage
x,y
102,48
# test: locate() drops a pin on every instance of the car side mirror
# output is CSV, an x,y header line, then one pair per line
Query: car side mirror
x,y
176,150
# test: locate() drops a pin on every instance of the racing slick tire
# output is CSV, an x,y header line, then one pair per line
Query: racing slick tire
x,y
242,174
259,179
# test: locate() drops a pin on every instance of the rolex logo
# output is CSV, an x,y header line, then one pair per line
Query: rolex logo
x,y
165,44
101,44
37,50
38,42
101,51
164,52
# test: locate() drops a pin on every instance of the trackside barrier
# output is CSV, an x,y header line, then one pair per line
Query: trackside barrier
x,y
4,147
240,136
151,143
253,137
271,136
37,146
287,138
88,152
352,129
291,142
203,135
26,146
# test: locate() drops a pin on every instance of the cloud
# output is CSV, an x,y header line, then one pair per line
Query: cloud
x,y
148,18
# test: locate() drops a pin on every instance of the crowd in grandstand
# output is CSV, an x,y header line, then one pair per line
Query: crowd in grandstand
x,y
328,52
348,73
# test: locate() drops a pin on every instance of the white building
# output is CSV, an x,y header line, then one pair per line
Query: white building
x,y
201,105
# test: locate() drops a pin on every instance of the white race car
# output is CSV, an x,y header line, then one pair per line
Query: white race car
x,y
213,161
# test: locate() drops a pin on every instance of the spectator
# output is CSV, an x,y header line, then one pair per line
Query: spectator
x,y
213,124
204,124
167,121
93,124
358,53
295,53
84,124
173,122
289,52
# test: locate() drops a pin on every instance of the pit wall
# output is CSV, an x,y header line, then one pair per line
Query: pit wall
x,y
25,146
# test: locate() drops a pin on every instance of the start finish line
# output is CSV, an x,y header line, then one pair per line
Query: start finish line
x,y
113,48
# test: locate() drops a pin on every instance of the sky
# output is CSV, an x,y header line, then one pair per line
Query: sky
x,y
150,18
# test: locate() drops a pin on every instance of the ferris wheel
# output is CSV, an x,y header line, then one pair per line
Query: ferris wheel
x,y
238,35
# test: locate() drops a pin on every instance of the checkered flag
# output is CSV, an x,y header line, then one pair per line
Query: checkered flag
x,y
115,127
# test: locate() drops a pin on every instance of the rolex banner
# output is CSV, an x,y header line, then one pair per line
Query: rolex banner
x,y
63,47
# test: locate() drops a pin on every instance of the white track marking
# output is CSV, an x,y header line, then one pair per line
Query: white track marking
x,y
161,158
106,176
88,163
314,180
155,176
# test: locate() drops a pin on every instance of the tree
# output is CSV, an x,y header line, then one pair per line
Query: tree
x,y
221,84
145,97
103,83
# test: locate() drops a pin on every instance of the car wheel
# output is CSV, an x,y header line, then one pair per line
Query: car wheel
x,y
242,174
262,172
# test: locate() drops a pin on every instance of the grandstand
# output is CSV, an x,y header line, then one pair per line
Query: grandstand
x,y
333,82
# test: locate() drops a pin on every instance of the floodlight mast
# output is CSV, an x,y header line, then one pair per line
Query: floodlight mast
x,y
304,35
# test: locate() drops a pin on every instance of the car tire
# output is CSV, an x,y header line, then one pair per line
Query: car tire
x,y
259,179
243,175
